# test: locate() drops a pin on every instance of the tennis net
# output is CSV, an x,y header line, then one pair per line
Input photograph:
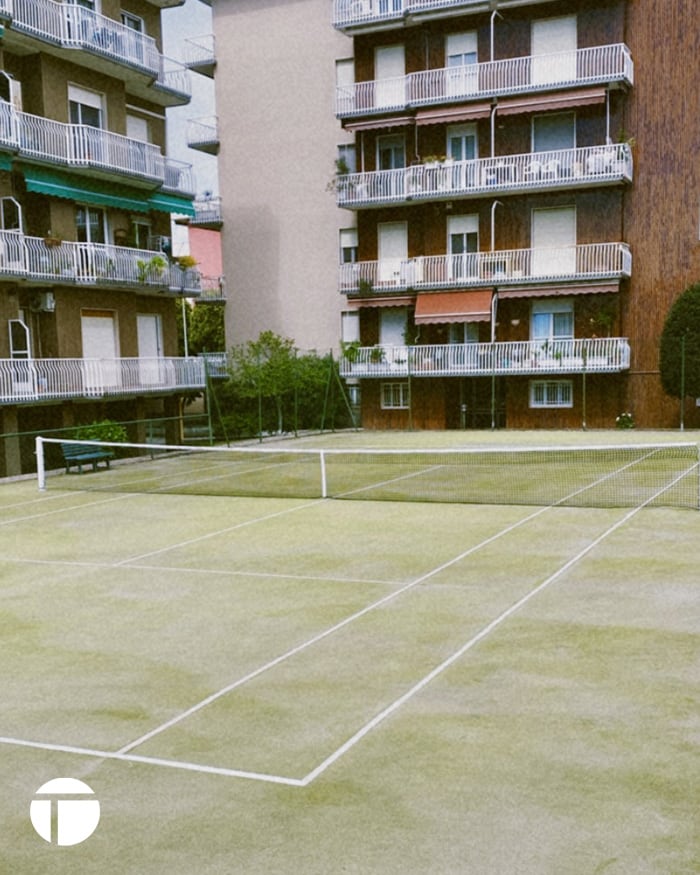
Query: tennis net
x,y
592,476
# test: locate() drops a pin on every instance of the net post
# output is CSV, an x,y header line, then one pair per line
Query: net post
x,y
324,482
40,464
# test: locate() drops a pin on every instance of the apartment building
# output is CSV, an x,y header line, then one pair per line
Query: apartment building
x,y
87,284
275,92
523,194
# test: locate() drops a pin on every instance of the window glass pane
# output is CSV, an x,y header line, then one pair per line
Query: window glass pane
x,y
551,132
563,325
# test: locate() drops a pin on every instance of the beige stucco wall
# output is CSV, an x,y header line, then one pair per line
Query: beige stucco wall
x,y
275,86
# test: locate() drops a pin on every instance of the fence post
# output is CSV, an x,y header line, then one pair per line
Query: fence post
x,y
40,465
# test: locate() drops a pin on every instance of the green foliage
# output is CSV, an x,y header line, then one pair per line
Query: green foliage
x,y
274,388
681,329
205,328
105,430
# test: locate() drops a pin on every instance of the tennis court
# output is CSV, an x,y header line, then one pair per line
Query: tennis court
x,y
283,685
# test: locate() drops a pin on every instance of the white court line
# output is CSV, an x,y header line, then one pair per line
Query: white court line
x,y
58,510
123,754
218,532
475,639
154,761
390,480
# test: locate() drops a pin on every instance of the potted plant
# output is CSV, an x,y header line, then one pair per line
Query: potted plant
x,y
51,240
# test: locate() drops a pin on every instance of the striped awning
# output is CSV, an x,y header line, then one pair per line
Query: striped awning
x,y
525,103
454,307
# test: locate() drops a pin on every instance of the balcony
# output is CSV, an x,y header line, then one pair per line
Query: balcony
x,y
100,265
200,55
600,355
505,267
41,380
603,65
368,14
212,290
203,134
79,35
105,154
207,214
507,174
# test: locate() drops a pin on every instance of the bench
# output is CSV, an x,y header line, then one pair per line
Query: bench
x,y
79,454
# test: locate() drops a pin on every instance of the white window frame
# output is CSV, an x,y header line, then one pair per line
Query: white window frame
x,y
394,396
92,99
551,394
551,308
135,22
347,245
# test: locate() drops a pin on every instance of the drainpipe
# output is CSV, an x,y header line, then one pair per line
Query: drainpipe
x,y
494,109
493,21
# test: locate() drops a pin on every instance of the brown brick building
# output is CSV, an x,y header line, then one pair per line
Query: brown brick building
x,y
526,187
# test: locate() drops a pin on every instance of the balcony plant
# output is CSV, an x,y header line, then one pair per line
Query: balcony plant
x,y
350,350
51,240
152,269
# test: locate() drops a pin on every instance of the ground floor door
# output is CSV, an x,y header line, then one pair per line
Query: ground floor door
x,y
100,350
149,332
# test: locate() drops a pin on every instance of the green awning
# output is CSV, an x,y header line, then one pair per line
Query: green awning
x,y
56,183
171,203
88,191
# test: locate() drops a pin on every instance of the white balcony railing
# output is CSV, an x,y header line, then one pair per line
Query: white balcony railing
x,y
575,356
207,212
531,73
97,264
41,139
355,13
200,50
72,26
203,133
500,268
567,168
28,380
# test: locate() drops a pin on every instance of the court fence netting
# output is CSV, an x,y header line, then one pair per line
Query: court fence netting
x,y
591,476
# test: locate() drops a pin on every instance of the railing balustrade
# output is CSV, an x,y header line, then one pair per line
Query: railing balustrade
x,y
349,13
39,138
72,26
530,172
598,65
202,131
92,264
32,380
200,50
498,268
571,356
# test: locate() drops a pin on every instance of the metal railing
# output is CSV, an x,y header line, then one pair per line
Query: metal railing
x,y
212,289
500,268
566,168
353,13
531,73
207,211
29,380
202,131
573,356
200,50
99,264
72,26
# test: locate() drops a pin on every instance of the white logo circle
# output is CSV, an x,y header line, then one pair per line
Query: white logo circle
x,y
64,821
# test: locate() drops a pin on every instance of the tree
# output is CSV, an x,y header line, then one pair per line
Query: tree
x,y
265,369
205,328
679,349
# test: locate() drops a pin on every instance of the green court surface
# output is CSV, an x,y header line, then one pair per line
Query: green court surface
x,y
300,685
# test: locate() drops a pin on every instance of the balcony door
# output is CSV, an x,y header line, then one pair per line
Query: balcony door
x,y
553,50
462,78
23,378
149,335
392,239
554,242
86,111
462,244
101,368
462,147
389,73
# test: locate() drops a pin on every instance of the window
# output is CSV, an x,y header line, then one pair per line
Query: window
x,y
552,320
347,157
345,85
395,396
133,22
464,332
90,224
85,107
391,152
462,243
461,58
348,245
140,234
553,131
551,393
462,142
350,326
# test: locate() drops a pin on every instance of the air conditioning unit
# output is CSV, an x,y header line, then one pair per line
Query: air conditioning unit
x,y
43,302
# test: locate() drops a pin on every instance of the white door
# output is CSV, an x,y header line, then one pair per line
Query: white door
x,y
554,43
23,376
101,368
390,73
393,251
149,335
462,246
462,72
554,242
392,333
